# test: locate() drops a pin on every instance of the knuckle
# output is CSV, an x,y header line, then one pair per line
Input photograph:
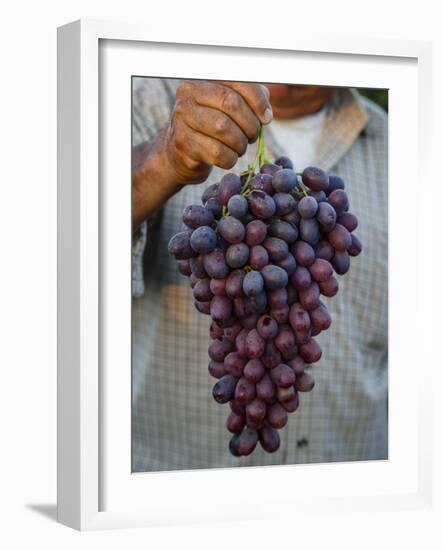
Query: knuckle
x,y
179,137
221,124
183,109
240,144
230,161
217,154
243,146
254,130
223,157
184,89
230,100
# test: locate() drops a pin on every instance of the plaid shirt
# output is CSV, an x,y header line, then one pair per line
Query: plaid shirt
x,y
176,424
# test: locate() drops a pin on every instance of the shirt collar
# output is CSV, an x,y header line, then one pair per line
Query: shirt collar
x,y
346,118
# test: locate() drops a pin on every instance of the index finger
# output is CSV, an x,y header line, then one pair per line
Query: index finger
x,y
223,98
256,96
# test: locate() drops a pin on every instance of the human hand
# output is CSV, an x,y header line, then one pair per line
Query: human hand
x,y
211,125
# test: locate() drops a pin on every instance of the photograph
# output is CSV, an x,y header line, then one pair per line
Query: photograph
x,y
222,275
259,274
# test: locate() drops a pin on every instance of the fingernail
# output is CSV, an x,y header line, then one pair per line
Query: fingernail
x,y
268,115
266,90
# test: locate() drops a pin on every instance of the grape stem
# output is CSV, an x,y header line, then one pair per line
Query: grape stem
x,y
301,185
261,157
302,189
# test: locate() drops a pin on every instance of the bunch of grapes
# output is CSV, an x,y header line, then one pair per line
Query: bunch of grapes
x,y
260,252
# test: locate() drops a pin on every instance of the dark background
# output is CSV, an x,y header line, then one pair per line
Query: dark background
x,y
377,96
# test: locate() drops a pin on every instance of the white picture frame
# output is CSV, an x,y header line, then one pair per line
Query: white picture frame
x,y
96,489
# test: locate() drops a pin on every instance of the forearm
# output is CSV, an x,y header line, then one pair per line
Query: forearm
x,y
153,180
